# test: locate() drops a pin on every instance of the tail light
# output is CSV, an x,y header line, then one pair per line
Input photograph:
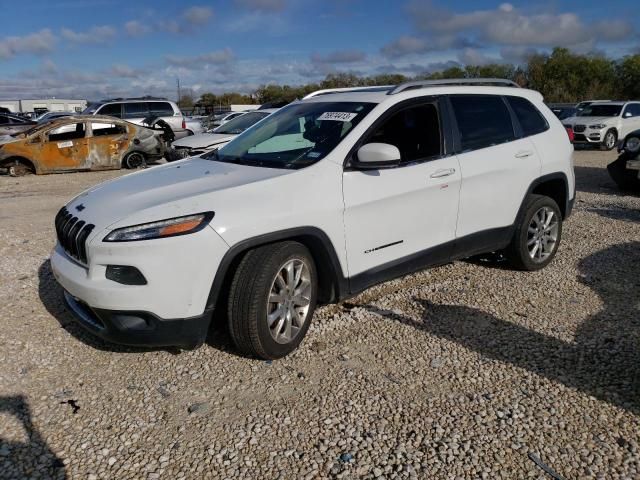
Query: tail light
x,y
184,124
570,133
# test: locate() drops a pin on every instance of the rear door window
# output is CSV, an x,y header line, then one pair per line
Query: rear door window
x,y
112,110
136,110
531,120
483,120
102,129
160,109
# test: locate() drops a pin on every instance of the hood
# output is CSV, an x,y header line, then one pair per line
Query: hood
x,y
587,120
203,140
172,190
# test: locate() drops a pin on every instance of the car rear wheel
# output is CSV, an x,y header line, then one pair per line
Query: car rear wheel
x,y
272,299
610,140
134,160
537,234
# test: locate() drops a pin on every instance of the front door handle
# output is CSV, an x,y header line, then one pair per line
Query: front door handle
x,y
443,173
524,154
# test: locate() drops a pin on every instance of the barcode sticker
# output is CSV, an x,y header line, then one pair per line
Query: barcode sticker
x,y
65,144
338,116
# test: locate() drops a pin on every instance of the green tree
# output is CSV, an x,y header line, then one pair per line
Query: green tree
x,y
628,73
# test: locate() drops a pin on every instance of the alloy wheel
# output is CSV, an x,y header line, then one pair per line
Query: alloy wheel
x,y
289,300
542,234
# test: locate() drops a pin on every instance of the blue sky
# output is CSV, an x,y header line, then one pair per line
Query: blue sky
x,y
98,48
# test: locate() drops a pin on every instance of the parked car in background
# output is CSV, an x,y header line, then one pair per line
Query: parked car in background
x,y
4,110
45,117
562,110
10,124
194,125
603,123
584,104
314,204
216,138
80,143
136,110
625,170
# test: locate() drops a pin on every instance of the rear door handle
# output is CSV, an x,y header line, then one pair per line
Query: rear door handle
x,y
443,173
524,154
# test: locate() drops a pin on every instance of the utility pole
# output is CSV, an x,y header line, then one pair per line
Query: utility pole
x,y
179,97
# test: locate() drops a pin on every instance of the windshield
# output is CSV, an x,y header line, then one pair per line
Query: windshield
x,y
91,109
295,136
241,123
600,110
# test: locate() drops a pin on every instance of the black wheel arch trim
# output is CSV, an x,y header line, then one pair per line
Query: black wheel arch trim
x,y
328,268
566,208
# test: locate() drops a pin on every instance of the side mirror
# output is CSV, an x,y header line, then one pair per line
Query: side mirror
x,y
377,155
627,114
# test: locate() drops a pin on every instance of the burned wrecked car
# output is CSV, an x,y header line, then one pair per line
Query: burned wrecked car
x,y
80,143
625,170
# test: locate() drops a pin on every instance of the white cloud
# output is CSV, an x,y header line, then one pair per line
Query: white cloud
x,y
197,15
134,28
437,28
38,43
263,5
218,57
339,56
96,35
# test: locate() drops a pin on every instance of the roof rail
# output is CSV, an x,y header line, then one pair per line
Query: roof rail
x,y
120,99
496,82
327,91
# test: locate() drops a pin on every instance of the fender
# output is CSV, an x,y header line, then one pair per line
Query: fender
x,y
566,209
329,269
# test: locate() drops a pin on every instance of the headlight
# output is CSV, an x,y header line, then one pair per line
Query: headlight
x,y
164,228
597,126
632,144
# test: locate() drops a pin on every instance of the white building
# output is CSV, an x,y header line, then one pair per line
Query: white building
x,y
50,104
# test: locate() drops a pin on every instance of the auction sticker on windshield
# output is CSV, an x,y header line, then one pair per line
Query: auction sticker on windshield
x,y
338,116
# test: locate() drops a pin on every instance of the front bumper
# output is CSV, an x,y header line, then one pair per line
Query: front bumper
x,y
139,328
171,309
588,136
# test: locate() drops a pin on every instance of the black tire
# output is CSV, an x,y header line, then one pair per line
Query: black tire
x,y
627,180
518,252
607,144
248,299
134,160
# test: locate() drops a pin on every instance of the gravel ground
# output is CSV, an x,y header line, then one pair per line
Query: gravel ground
x,y
470,370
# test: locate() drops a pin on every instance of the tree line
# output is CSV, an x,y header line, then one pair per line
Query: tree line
x,y
561,76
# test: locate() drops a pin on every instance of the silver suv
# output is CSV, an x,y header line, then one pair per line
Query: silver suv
x,y
135,110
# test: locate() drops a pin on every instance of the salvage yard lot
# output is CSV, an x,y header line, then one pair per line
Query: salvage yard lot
x,y
463,371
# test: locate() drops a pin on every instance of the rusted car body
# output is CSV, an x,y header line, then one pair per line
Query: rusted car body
x,y
80,143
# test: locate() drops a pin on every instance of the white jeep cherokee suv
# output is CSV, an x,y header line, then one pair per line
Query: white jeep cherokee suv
x,y
315,203
603,123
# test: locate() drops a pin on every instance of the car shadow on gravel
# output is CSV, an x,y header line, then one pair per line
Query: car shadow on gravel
x,y
595,180
22,459
51,296
603,360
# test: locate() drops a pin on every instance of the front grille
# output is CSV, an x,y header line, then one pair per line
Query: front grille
x,y
72,234
579,128
579,138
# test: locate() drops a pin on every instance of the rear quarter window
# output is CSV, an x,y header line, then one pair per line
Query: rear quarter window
x,y
160,109
530,118
483,120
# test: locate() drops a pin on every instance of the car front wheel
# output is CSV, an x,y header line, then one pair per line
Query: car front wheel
x,y
537,234
610,140
272,299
